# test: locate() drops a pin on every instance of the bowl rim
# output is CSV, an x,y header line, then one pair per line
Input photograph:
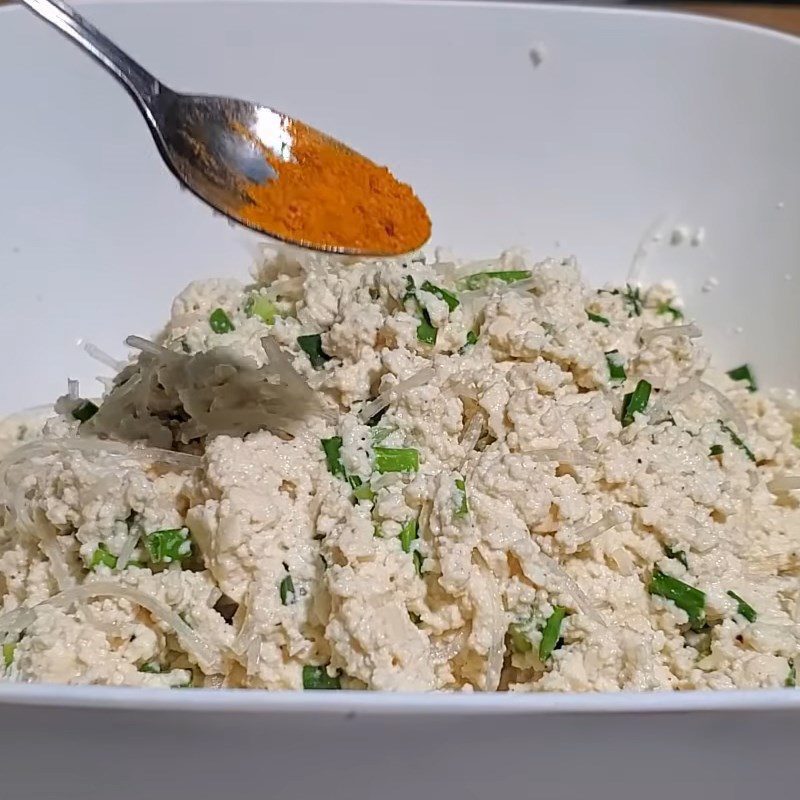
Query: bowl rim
x,y
365,703
682,15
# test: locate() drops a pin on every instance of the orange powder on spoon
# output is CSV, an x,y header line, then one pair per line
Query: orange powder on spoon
x,y
330,197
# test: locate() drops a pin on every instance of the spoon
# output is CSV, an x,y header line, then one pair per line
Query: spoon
x,y
247,161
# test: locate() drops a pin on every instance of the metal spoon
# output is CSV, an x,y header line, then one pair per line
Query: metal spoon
x,y
215,145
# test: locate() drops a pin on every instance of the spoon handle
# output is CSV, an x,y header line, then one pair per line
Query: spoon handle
x,y
141,85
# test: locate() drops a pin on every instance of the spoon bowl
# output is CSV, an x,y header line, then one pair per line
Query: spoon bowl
x,y
237,157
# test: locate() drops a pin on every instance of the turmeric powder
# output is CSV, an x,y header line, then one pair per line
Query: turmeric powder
x,y
329,197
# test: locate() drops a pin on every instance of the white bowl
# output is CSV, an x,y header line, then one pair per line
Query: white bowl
x,y
631,125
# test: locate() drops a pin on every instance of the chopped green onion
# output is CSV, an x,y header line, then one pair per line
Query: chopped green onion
x,y
472,338
361,491
286,591
426,332
333,456
416,557
791,678
716,450
396,459
737,440
463,505
677,555
481,279
85,411
551,632
259,305
520,643
635,402
318,678
311,345
633,299
616,366
442,294
664,307
379,434
102,556
410,291
597,318
743,373
8,654
744,608
686,597
408,534
220,322
152,667
171,544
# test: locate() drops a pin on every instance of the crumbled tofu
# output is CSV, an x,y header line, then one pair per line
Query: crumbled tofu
x,y
434,542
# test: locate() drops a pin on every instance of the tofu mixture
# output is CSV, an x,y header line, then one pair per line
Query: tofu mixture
x,y
413,476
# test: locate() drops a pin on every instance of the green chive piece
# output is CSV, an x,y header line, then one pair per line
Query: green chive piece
x,y
442,294
8,654
551,632
311,345
597,318
408,534
425,330
259,305
333,456
616,366
520,643
399,459
152,667
664,307
745,374
379,434
633,299
677,555
716,450
737,440
463,505
102,556
220,322
635,402
85,411
166,546
416,557
318,678
287,591
744,608
410,296
481,279
791,678
686,597
361,491
472,338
